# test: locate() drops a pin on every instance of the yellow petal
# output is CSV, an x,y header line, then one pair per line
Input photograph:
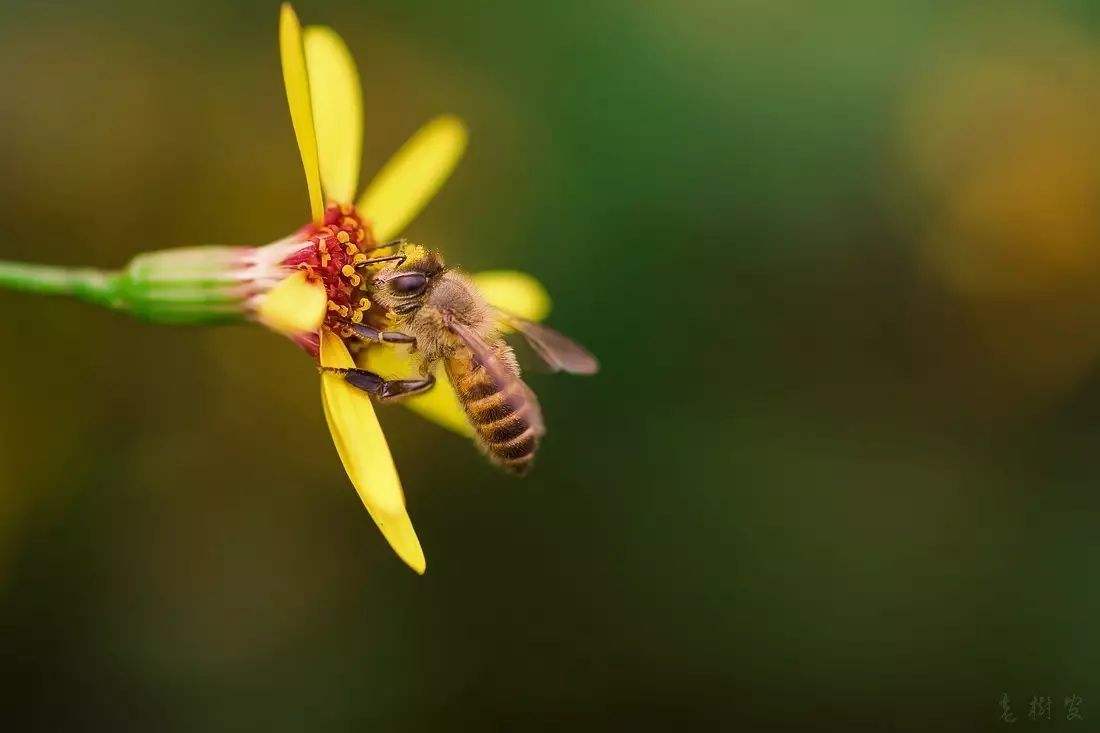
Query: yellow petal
x,y
337,111
296,80
439,404
364,453
296,305
412,176
514,292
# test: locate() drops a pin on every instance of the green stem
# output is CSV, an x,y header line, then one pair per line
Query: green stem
x,y
91,285
184,285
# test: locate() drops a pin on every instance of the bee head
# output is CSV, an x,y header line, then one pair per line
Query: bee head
x,y
402,286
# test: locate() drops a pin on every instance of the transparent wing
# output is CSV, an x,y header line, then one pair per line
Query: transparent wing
x,y
560,353
337,111
296,80
412,176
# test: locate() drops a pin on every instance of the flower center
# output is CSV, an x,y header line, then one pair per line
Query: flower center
x,y
335,248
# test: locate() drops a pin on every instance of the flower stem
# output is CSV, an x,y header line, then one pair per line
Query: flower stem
x,y
185,285
91,285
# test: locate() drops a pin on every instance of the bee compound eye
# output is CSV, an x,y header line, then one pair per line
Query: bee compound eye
x,y
410,284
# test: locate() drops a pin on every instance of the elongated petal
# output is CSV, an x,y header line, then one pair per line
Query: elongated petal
x,y
296,80
439,404
412,176
296,305
365,454
514,292
337,111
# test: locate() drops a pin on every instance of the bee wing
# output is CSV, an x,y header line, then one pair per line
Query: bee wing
x,y
560,353
506,378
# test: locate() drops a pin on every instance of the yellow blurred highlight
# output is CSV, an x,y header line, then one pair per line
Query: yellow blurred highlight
x,y
1000,137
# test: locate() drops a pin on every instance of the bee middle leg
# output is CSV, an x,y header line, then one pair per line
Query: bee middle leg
x,y
383,389
368,333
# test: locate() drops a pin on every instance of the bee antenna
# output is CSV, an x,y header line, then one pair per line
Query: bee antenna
x,y
399,259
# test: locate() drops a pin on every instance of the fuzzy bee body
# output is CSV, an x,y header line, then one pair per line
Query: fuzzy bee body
x,y
499,413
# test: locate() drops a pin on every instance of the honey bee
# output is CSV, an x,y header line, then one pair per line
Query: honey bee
x,y
442,315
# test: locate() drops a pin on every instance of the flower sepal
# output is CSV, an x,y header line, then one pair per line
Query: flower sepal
x,y
199,285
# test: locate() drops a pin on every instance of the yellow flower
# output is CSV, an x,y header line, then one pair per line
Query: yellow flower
x,y
315,281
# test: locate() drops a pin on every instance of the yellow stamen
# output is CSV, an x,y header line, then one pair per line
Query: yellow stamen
x,y
347,270
343,237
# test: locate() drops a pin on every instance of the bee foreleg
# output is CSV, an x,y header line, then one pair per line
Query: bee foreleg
x,y
367,333
383,389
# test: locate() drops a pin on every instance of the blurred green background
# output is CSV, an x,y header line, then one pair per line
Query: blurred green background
x,y
841,262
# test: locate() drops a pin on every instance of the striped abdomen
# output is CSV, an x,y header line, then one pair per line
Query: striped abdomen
x,y
505,416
